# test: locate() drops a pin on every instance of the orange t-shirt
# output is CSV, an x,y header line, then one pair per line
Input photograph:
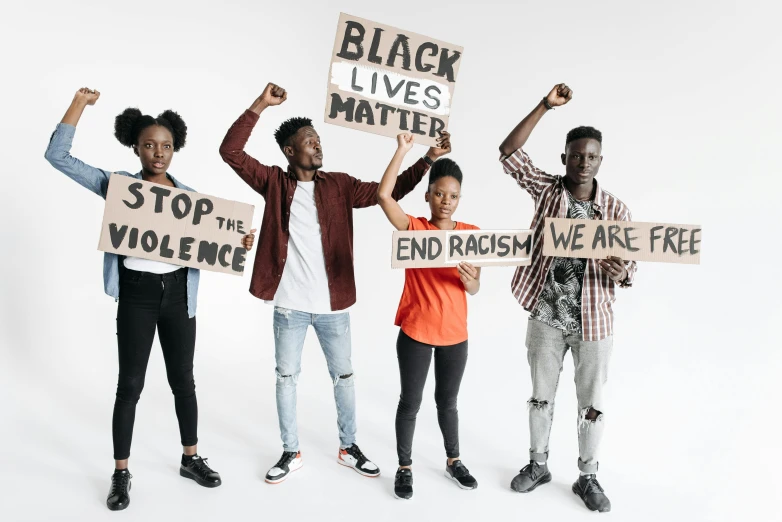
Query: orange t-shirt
x,y
433,307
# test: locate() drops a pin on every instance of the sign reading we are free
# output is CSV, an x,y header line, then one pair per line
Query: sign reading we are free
x,y
387,81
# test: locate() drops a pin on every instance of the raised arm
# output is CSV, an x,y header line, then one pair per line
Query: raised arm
x,y
385,189
559,95
58,153
365,192
232,151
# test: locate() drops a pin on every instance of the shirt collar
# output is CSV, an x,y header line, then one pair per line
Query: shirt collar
x,y
599,200
176,183
291,175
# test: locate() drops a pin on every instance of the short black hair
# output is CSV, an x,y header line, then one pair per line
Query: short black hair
x,y
443,168
129,124
289,128
584,132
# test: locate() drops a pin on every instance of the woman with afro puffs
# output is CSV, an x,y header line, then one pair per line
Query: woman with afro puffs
x,y
151,295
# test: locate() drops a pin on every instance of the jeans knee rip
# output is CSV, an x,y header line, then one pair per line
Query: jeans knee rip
x,y
584,422
344,380
287,380
537,404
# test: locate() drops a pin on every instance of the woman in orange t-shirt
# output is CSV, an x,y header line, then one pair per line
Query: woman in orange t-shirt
x,y
432,317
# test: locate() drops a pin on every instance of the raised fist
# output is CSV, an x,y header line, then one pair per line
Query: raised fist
x,y
559,95
405,141
87,95
273,95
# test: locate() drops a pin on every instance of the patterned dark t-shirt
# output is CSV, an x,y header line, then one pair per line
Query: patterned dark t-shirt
x,y
559,304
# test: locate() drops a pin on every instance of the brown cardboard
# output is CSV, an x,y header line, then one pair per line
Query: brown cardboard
x,y
355,75
478,247
117,216
598,239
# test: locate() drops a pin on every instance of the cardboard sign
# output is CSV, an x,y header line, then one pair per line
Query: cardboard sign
x,y
387,81
440,248
629,240
152,221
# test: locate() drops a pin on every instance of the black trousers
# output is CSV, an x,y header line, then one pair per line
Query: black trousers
x,y
149,302
414,361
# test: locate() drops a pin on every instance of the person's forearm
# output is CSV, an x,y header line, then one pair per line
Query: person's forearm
x,y
259,106
387,183
74,112
519,135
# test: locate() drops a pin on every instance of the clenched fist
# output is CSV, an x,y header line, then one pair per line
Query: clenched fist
x,y
559,95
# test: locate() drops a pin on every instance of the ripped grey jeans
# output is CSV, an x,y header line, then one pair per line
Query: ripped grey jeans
x,y
546,349
333,331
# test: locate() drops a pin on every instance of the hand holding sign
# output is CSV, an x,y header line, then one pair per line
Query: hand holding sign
x,y
248,240
615,268
443,146
559,95
273,95
87,96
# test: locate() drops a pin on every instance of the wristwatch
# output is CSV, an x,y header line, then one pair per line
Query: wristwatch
x,y
428,160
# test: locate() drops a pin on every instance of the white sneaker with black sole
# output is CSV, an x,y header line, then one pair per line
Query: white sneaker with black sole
x,y
459,473
353,458
288,463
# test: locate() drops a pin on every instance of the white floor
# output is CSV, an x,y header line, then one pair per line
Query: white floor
x,y
682,442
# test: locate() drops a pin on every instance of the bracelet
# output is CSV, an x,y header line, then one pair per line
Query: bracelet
x,y
428,160
547,105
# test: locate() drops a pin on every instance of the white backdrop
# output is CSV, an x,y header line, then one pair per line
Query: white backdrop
x,y
685,94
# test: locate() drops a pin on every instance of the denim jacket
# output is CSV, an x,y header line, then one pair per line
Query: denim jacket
x,y
97,180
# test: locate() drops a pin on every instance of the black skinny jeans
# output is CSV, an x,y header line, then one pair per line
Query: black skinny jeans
x,y
147,302
414,361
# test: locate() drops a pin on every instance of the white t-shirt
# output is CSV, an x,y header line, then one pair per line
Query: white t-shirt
x,y
304,285
148,265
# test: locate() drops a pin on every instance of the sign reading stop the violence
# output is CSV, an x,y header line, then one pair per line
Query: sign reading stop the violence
x,y
628,240
387,81
152,221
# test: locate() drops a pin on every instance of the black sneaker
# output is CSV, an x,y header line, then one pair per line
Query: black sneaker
x,y
119,497
403,483
588,488
196,468
353,458
288,463
531,476
461,475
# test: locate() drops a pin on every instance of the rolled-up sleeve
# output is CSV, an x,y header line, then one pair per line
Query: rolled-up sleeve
x,y
519,166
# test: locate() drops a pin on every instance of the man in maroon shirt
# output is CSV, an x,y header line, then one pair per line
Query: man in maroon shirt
x,y
304,264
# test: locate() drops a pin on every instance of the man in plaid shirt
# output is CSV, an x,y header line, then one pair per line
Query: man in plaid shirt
x,y
569,299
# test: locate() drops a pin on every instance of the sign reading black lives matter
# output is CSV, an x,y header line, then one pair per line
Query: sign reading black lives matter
x,y
443,248
152,221
387,81
628,240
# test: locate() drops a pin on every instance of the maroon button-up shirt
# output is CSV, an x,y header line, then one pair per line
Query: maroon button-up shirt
x,y
336,195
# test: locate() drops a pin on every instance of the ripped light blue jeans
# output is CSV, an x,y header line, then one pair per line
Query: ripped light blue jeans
x,y
333,331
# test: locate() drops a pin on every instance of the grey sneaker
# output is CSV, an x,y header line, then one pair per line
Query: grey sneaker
x,y
531,476
588,488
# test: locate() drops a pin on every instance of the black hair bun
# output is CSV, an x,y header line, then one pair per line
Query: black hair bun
x,y
125,124
178,128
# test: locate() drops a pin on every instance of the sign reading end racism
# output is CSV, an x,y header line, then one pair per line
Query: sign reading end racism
x,y
387,81
628,240
441,248
152,221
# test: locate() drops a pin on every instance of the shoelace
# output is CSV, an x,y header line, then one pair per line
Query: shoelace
x,y
201,467
531,469
353,450
460,470
120,483
404,479
287,456
592,486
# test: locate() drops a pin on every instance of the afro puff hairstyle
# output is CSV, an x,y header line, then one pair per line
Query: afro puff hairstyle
x,y
443,168
584,132
129,124
289,128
